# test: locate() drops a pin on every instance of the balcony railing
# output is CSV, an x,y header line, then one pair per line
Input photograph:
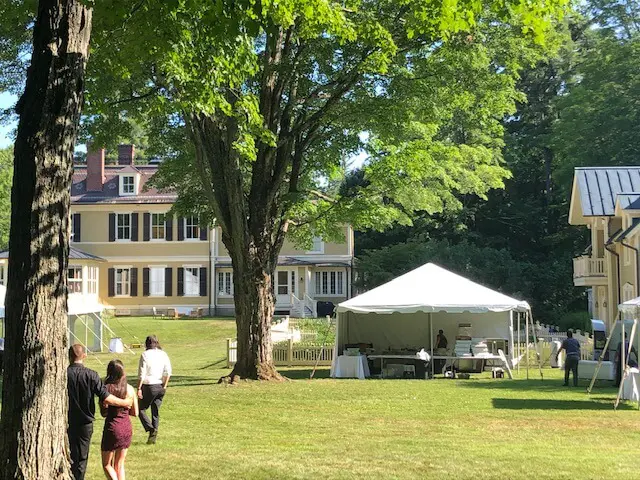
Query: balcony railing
x,y
589,267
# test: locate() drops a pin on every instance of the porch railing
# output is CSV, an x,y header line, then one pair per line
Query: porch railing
x,y
288,354
589,267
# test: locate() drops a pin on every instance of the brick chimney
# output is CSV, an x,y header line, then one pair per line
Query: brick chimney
x,y
95,169
126,154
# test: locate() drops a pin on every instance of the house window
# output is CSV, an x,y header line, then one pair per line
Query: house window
x,y
123,282
157,226
74,279
156,281
192,281
225,283
128,185
3,278
123,226
317,245
627,292
92,281
330,283
191,230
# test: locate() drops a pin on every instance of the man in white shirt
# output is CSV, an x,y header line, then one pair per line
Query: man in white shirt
x,y
154,372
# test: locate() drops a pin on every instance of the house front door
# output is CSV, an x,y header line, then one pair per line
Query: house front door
x,y
285,286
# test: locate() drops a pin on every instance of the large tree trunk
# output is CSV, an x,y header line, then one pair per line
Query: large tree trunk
x,y
34,392
255,304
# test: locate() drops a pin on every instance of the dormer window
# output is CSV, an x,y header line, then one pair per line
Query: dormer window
x,y
128,185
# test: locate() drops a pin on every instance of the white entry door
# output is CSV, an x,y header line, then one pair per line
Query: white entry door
x,y
285,285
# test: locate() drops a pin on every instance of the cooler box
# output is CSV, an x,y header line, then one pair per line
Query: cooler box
x,y
116,345
555,348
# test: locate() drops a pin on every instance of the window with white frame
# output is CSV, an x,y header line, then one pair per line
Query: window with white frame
x,y
191,230
157,226
3,275
128,184
74,279
192,281
317,245
92,281
627,292
123,226
225,283
330,282
156,281
123,282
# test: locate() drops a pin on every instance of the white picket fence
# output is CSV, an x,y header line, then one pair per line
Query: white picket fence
x,y
288,354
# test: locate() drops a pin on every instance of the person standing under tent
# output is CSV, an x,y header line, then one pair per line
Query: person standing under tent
x,y
153,376
83,384
572,347
440,350
621,351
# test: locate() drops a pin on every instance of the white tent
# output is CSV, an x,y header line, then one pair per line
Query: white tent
x,y
407,310
630,305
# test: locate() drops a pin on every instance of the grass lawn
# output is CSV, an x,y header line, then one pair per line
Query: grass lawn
x,y
323,428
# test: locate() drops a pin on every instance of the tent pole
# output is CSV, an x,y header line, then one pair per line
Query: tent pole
x,y
511,335
601,357
431,342
526,323
518,333
625,355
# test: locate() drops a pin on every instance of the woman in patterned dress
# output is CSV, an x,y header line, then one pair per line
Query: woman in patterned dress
x,y
116,437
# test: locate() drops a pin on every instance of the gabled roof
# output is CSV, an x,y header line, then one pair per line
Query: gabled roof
x,y
629,201
129,169
74,254
598,188
632,230
431,288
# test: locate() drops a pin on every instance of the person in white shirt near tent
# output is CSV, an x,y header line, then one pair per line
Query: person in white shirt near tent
x,y
153,376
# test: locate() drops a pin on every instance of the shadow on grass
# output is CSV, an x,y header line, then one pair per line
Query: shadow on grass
x,y
178,381
220,364
549,385
543,404
304,373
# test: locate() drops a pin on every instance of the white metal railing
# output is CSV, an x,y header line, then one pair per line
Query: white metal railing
x,y
312,305
288,354
589,267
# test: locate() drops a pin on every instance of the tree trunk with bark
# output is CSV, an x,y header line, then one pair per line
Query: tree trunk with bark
x,y
33,440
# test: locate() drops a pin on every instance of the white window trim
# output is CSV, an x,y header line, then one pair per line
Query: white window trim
x,y
163,239
223,293
81,280
184,281
124,240
164,282
115,280
96,270
184,230
329,294
136,181
321,247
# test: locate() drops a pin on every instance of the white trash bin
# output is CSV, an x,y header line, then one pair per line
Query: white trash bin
x,y
116,345
555,348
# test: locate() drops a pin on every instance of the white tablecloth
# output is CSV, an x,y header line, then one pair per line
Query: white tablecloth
x,y
587,367
631,383
350,367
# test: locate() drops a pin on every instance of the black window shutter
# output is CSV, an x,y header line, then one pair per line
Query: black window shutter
x,y
112,227
146,227
203,281
180,282
168,279
145,282
76,228
180,229
134,282
168,228
134,227
112,282
203,232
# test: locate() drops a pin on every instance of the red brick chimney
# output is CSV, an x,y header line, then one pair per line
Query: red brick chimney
x,y
95,169
126,154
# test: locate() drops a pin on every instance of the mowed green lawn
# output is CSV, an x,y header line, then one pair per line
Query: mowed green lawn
x,y
323,428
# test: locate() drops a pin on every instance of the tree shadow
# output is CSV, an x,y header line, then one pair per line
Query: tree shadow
x,y
179,381
304,373
548,404
549,385
220,364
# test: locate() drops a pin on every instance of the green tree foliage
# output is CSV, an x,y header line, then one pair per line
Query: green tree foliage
x,y
6,177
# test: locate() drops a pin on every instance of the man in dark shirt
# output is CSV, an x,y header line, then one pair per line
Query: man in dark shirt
x,y
82,385
572,347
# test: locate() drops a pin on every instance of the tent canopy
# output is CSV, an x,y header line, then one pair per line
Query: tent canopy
x,y
630,305
431,288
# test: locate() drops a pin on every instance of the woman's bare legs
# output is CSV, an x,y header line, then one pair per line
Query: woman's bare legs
x,y
107,465
119,462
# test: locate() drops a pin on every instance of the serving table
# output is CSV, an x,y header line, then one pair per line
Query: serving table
x,y
350,366
419,363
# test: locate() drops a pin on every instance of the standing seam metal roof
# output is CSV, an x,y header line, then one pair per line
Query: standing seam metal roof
x,y
599,186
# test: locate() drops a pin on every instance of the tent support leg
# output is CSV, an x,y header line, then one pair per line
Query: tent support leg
x,y
511,336
626,356
526,323
431,344
519,344
604,350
